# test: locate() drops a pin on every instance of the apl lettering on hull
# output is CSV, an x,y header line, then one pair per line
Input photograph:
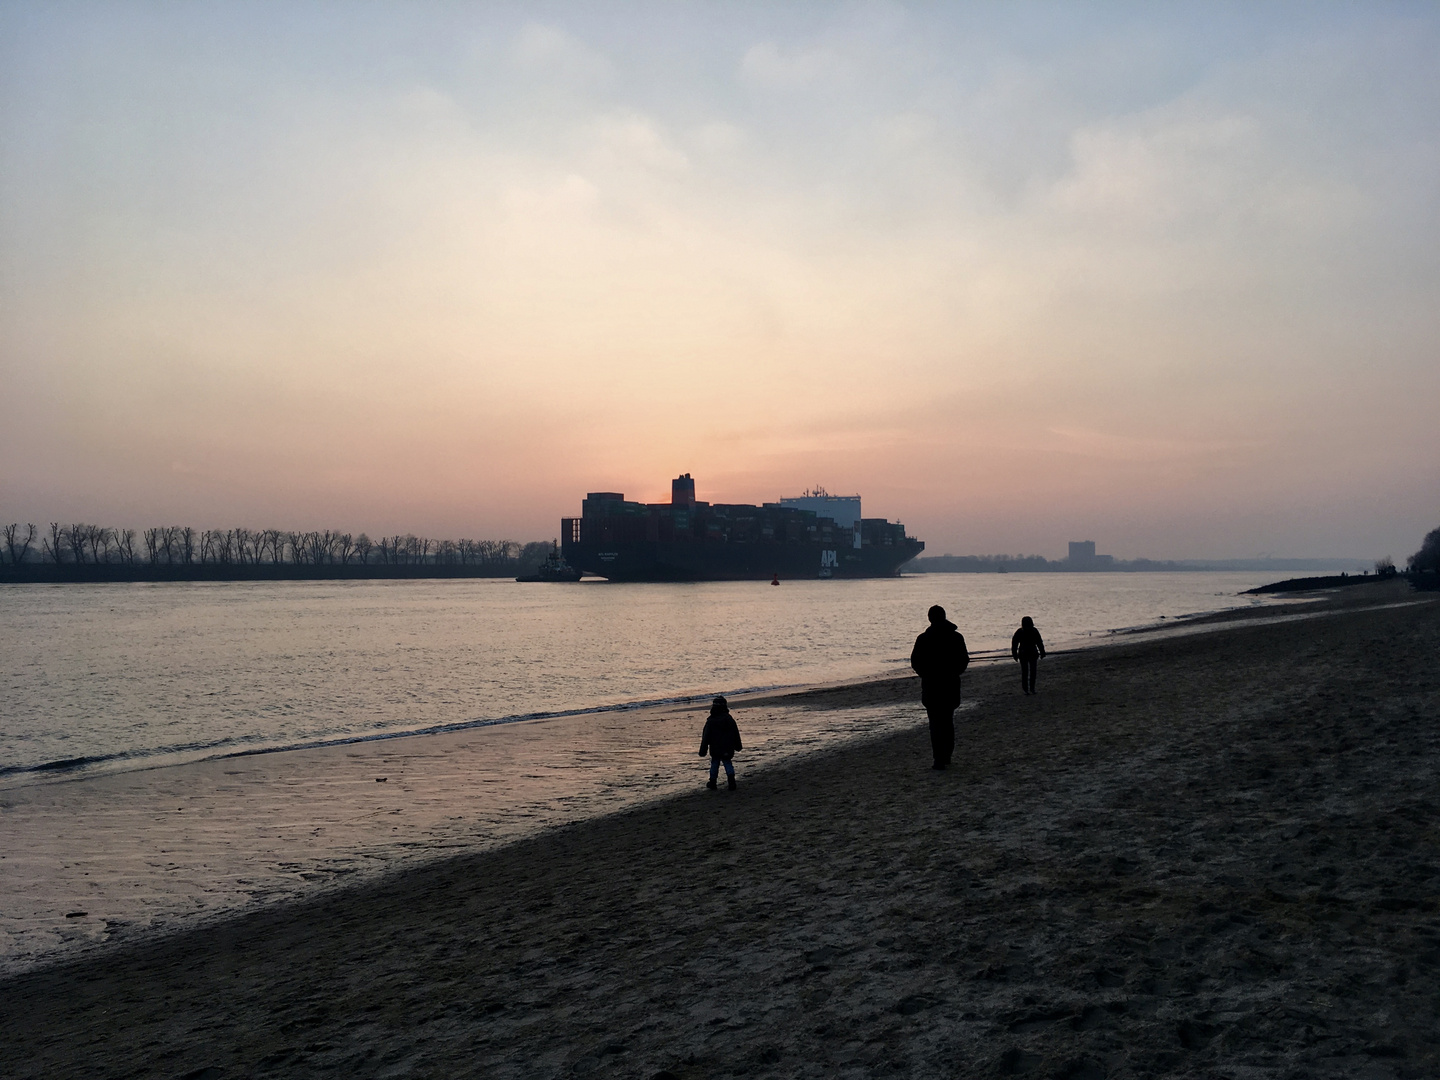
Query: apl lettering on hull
x,y
689,540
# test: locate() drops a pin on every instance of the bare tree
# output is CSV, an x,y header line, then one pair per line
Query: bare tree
x,y
53,547
169,539
73,537
533,554
99,539
84,536
177,545
18,548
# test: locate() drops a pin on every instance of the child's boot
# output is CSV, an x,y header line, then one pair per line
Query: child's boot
x,y
732,783
710,784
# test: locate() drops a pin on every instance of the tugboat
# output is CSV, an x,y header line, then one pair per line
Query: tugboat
x,y
554,568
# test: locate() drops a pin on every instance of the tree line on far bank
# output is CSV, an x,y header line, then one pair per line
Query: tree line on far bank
x,y
1427,559
180,546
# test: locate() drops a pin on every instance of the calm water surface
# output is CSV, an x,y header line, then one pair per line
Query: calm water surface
x,y
114,676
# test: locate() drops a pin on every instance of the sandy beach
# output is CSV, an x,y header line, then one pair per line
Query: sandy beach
x,y
1209,855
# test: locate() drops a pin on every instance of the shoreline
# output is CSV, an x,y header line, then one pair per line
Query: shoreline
x,y
1209,853
158,849
83,767
162,846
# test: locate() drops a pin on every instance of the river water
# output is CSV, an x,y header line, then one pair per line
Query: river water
x,y
101,678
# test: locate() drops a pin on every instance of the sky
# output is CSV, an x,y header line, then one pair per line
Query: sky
x,y
1162,276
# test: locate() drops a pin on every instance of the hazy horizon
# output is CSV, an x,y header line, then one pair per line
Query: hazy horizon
x,y
1161,278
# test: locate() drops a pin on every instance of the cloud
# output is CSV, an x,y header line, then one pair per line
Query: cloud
x,y
806,228
632,139
765,65
718,137
1111,446
1226,168
547,50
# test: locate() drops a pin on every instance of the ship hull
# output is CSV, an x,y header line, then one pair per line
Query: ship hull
x,y
699,561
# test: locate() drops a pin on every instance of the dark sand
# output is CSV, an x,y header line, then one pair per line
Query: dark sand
x,y
1210,856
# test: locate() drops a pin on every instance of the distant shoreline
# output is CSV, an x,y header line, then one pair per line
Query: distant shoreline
x,y
102,573
1309,584
123,573
1037,564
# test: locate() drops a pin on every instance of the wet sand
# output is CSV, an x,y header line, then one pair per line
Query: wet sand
x,y
1209,855
90,862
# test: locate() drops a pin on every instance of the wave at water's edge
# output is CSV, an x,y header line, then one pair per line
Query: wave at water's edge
x,y
224,748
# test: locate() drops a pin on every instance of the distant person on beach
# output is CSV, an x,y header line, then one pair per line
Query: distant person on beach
x,y
721,738
938,658
1027,647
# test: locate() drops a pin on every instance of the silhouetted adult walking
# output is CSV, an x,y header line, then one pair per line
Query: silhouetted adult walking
x,y
938,658
1027,647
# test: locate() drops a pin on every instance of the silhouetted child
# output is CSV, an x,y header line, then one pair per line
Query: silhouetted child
x,y
721,738
1027,647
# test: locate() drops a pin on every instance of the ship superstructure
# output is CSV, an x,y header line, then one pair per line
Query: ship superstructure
x,y
689,540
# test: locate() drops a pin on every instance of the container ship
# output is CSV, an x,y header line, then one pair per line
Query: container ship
x,y
814,535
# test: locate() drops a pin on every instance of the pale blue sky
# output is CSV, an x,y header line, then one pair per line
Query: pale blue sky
x,y
1161,276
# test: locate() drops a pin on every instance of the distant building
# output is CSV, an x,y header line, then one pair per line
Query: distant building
x,y
1083,557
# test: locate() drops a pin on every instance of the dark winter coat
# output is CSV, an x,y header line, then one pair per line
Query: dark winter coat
x,y
1026,643
938,658
721,736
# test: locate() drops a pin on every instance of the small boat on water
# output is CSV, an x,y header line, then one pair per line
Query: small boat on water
x,y
554,568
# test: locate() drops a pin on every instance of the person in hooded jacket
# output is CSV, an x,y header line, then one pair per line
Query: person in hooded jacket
x,y
938,658
1027,647
721,738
